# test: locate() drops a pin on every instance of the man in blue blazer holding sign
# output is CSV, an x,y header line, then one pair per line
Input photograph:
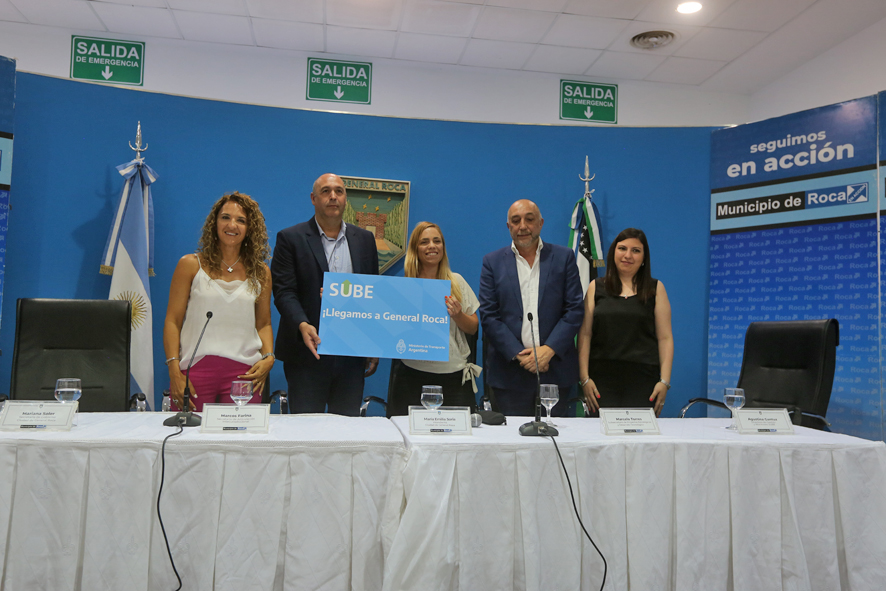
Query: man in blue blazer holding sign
x,y
529,277
302,254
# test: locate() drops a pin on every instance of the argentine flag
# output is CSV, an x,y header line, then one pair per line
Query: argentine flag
x,y
129,259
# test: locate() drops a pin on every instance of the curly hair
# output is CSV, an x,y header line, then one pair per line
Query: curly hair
x,y
412,266
643,278
254,250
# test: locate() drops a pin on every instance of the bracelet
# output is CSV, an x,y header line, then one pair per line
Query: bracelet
x,y
172,359
584,381
266,355
668,384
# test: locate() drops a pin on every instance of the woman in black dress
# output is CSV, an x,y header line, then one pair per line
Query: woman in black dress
x,y
625,345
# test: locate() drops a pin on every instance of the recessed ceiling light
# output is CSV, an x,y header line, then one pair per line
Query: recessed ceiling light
x,y
689,7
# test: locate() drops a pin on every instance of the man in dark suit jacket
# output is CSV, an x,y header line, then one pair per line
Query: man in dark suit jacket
x,y
529,277
302,254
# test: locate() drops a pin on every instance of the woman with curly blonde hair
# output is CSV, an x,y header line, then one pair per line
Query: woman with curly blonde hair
x,y
228,277
426,258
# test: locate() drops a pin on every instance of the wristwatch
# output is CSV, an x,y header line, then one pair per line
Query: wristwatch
x,y
266,355
668,384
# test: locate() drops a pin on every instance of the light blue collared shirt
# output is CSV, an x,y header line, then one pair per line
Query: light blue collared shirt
x,y
338,255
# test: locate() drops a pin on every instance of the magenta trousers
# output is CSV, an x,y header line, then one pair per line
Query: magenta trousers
x,y
212,377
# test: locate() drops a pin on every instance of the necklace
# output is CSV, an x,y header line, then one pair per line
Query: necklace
x,y
231,267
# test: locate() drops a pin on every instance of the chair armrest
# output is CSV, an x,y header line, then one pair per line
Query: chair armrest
x,y
819,421
367,400
709,401
584,404
284,401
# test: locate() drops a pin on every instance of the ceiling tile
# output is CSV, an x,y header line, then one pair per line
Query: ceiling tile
x,y
363,42
561,60
217,28
59,13
429,48
307,11
584,31
760,15
8,12
623,42
665,11
153,3
545,5
506,24
720,44
628,66
236,7
288,35
626,9
496,54
440,18
361,14
684,70
137,20
465,1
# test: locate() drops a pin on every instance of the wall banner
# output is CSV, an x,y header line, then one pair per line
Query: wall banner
x,y
794,237
7,102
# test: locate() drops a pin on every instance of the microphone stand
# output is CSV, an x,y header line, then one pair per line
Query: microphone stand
x,y
536,428
185,417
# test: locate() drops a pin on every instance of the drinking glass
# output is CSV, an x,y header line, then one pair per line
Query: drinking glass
x,y
431,397
68,390
550,395
734,399
241,392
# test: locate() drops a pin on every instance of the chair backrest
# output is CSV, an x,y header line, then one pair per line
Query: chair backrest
x,y
86,339
790,364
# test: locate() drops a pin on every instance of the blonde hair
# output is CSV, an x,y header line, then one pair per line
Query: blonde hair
x,y
254,250
412,266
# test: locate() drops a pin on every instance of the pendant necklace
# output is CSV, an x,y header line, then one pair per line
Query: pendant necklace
x,y
231,267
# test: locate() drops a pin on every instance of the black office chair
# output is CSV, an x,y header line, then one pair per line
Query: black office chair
x,y
396,364
788,364
86,339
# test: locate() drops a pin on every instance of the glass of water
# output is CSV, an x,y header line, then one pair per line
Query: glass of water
x,y
432,397
734,399
241,392
550,395
68,390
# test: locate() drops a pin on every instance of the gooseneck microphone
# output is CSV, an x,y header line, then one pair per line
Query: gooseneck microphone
x,y
186,418
536,428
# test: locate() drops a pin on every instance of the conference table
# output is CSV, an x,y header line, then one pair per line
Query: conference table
x,y
695,508
300,507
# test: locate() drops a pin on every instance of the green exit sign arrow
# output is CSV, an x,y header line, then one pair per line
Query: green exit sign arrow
x,y
588,101
107,60
339,81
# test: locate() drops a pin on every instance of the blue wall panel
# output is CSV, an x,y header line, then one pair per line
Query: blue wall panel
x,y
71,135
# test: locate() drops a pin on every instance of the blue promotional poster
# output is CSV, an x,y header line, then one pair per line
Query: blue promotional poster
x,y
7,101
388,317
794,237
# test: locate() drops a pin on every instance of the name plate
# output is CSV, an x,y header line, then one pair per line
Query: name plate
x,y
446,420
230,418
41,416
768,420
629,421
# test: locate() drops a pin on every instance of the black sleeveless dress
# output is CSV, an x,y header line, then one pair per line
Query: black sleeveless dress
x,y
624,361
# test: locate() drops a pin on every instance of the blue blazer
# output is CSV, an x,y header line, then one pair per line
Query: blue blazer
x,y
297,273
560,314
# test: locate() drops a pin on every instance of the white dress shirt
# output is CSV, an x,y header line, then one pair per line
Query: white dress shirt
x,y
528,277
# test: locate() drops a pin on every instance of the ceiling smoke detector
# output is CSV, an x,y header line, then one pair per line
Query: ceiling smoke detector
x,y
652,39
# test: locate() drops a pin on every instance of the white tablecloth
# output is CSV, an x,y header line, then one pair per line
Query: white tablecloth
x,y
697,508
298,508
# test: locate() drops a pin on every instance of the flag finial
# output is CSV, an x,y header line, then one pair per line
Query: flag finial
x,y
587,179
138,144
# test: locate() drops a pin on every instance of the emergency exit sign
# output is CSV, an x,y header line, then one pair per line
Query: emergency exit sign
x,y
588,101
107,60
339,82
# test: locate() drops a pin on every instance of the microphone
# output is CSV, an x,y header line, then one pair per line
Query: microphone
x,y
186,418
536,428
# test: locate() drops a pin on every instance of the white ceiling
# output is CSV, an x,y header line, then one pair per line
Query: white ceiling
x,y
730,45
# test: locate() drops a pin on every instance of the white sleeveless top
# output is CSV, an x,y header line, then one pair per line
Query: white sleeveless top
x,y
231,332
